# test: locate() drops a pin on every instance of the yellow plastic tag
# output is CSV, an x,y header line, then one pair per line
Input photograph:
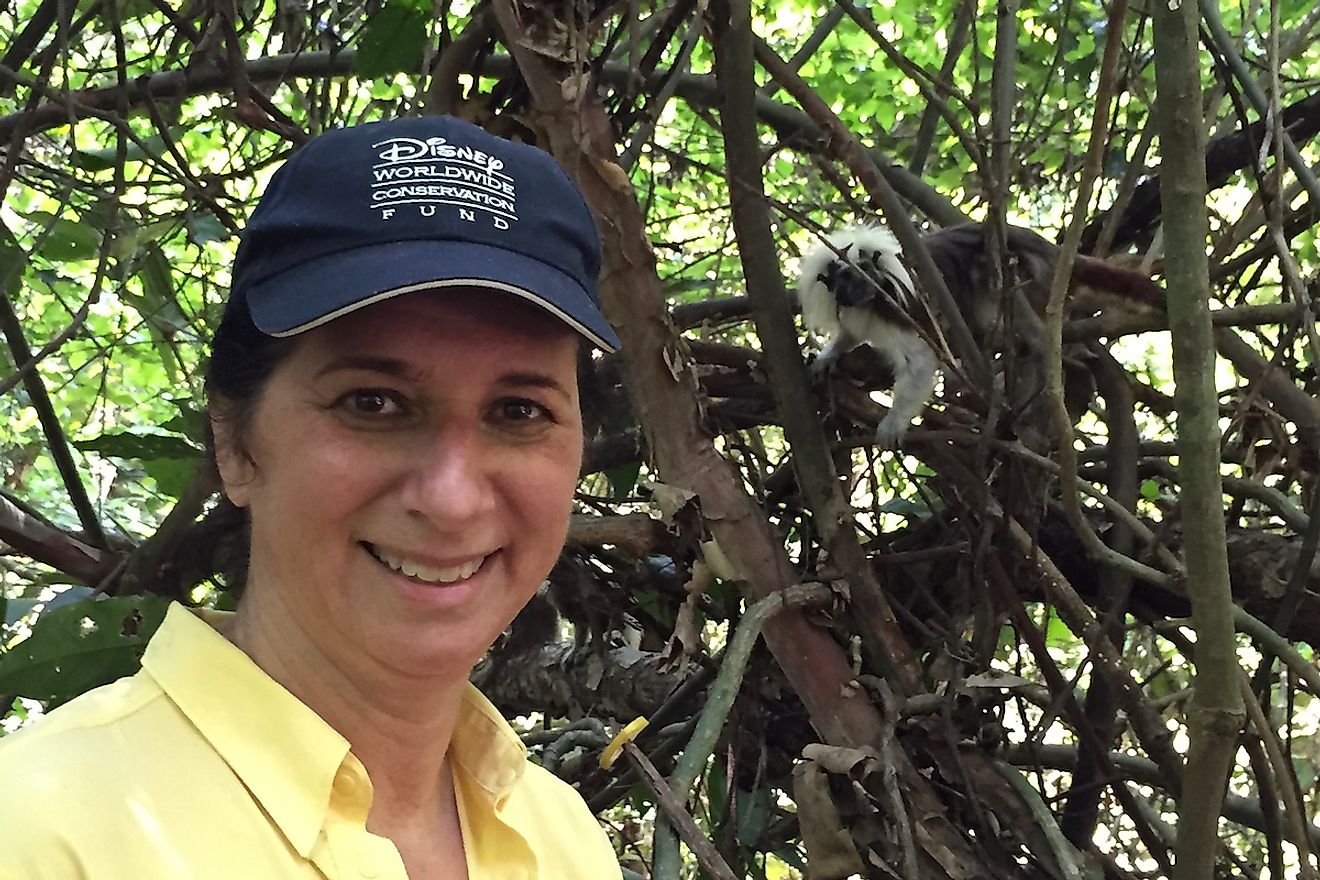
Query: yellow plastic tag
x,y
615,748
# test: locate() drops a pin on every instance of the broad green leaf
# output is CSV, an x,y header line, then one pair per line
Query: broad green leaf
x,y
80,646
1058,634
172,475
204,228
752,812
66,240
103,158
622,479
129,240
127,444
393,41
1007,640
158,305
792,858
17,609
716,792
905,507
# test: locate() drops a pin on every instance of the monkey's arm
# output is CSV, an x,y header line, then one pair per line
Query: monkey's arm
x,y
840,344
914,384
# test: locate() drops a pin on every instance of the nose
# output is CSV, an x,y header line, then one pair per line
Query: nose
x,y
450,482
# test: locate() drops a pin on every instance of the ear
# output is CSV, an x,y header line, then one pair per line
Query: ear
x,y
235,468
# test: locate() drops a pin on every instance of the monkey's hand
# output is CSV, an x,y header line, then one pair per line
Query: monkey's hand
x,y
823,365
915,368
889,433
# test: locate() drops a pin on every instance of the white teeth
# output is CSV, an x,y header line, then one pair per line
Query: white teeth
x,y
428,573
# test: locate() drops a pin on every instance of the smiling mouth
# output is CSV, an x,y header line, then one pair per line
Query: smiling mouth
x,y
420,571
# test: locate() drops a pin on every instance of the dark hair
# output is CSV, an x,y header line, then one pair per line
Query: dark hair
x,y
242,362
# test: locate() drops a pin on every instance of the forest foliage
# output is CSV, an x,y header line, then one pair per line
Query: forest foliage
x,y
985,664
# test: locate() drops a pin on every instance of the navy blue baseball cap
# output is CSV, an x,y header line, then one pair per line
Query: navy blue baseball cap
x,y
362,214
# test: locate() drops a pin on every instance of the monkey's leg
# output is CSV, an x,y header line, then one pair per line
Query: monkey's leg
x,y
915,368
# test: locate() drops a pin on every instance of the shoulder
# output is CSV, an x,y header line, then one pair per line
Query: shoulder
x,y
84,728
574,839
71,767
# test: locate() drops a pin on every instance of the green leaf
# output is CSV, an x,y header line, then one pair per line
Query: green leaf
x,y
172,475
158,305
1058,634
716,792
1305,770
80,646
906,507
19,608
791,857
752,813
189,422
651,602
1007,640
622,479
127,444
203,228
131,237
104,159
13,262
1150,490
67,240
393,41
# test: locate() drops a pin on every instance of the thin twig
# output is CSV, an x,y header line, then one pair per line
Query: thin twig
x,y
679,818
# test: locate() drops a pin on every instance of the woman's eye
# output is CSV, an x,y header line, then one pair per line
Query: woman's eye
x,y
522,411
371,402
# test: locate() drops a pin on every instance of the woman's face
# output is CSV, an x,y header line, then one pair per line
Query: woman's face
x,y
411,477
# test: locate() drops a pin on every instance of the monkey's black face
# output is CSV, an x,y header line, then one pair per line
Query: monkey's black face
x,y
867,283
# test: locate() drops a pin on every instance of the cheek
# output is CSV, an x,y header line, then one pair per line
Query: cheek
x,y
544,494
311,475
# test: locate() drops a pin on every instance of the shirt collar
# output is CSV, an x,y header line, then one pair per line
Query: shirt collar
x,y
284,753
485,747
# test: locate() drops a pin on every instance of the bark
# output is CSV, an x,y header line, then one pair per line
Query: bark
x,y
663,386
1215,715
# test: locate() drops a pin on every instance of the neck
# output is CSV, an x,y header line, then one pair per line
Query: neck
x,y
399,726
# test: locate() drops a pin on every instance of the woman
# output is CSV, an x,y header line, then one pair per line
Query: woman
x,y
393,397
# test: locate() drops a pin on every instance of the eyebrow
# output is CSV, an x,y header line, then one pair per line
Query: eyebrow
x,y
402,369
371,363
534,380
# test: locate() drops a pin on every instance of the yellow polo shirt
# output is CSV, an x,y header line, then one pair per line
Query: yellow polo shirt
x,y
201,767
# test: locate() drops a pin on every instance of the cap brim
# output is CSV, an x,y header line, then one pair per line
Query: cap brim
x,y
349,280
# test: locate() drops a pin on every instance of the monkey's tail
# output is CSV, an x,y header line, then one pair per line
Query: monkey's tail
x,y
1097,279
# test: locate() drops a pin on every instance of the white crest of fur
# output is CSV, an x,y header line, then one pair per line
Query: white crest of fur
x,y
820,311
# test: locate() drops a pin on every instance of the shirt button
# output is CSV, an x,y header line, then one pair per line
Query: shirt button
x,y
345,783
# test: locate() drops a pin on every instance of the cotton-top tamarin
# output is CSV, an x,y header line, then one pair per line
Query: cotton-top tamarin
x,y
855,290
